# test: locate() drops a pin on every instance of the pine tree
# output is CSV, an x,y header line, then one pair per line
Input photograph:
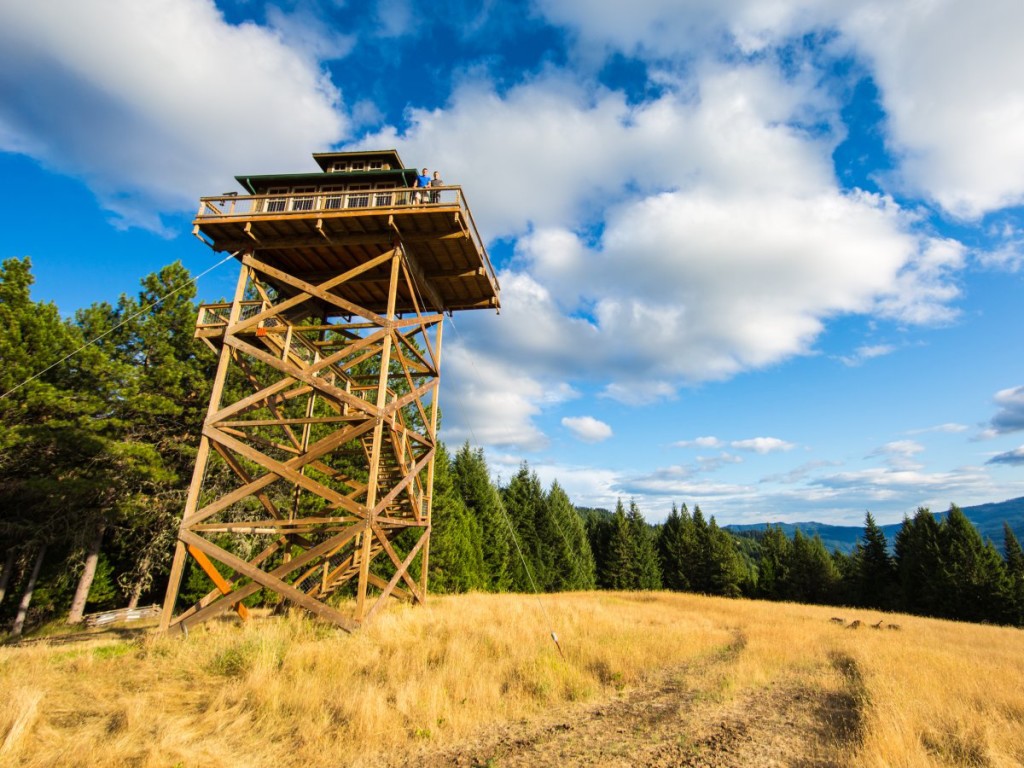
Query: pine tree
x,y
600,526
576,569
648,572
1015,576
621,570
773,567
456,554
525,503
68,465
673,547
973,575
165,392
845,566
725,571
483,501
919,565
875,573
813,576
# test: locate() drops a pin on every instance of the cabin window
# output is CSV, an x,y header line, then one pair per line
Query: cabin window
x,y
356,200
303,199
332,196
383,198
276,204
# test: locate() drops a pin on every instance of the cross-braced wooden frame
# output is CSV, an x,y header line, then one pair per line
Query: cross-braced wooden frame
x,y
315,467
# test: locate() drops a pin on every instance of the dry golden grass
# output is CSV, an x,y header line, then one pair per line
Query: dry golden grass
x,y
291,692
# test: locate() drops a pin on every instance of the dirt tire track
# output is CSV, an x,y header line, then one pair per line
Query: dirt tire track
x,y
668,722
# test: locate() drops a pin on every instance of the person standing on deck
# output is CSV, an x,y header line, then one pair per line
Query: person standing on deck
x,y
435,196
422,182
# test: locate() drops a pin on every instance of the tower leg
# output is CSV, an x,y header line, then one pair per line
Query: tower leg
x,y
378,436
435,411
199,471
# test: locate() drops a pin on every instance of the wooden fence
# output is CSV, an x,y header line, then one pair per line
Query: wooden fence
x,y
122,615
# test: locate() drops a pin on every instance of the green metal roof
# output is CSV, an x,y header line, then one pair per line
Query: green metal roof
x,y
259,184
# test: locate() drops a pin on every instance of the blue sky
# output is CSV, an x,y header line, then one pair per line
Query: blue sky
x,y
760,257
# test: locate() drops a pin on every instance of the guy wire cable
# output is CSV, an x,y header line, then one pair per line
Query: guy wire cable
x,y
111,330
511,530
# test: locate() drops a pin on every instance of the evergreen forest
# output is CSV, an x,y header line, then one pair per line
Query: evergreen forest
x,y
98,441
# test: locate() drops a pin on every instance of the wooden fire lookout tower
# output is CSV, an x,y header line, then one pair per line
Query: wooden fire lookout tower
x,y
315,466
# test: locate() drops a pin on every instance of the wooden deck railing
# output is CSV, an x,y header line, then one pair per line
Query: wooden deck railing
x,y
216,315
326,202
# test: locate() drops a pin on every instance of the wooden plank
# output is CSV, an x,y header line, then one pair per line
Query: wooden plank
x,y
398,592
251,400
396,405
204,601
271,404
297,421
404,363
438,303
289,527
261,441
379,507
215,576
378,432
399,522
246,478
429,367
321,235
435,411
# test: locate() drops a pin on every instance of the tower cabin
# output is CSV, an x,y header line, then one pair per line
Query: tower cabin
x,y
359,205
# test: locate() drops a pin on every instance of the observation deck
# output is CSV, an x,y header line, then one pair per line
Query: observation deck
x,y
317,235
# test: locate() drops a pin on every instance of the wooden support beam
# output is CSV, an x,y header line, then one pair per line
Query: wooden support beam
x,y
401,571
202,456
378,432
215,576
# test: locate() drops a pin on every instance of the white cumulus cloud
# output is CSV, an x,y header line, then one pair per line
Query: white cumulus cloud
x,y
1010,417
154,104
947,71
587,428
762,445
726,244
705,441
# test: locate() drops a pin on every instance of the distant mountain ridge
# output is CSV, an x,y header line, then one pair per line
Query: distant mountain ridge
x,y
987,518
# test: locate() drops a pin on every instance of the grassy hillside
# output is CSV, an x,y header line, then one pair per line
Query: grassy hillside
x,y
646,678
987,518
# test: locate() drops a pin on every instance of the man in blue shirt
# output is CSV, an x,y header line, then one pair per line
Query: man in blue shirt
x,y
423,180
